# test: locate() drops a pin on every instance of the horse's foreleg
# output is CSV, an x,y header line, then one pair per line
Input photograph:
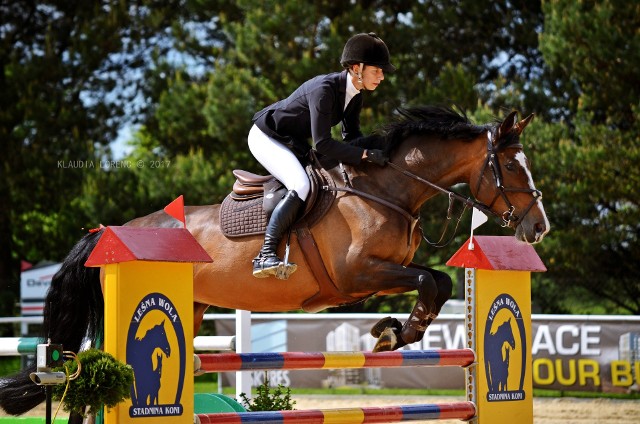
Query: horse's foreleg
x,y
428,306
420,319
434,289
415,326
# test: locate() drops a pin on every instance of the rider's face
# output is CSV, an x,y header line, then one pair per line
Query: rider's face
x,y
372,76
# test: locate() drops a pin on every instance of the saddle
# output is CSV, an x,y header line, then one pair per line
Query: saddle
x,y
246,210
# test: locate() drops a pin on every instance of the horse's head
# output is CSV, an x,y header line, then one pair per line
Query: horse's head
x,y
505,183
506,333
157,336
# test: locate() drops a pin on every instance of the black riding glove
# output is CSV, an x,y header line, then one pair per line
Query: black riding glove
x,y
376,156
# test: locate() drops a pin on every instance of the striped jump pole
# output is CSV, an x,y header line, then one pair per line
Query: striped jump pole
x,y
456,410
14,346
223,362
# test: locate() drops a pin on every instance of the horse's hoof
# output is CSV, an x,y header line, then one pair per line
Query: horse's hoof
x,y
284,271
387,341
383,324
197,363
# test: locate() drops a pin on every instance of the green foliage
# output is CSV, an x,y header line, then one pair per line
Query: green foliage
x,y
594,47
69,74
590,187
266,399
590,177
190,75
103,381
181,123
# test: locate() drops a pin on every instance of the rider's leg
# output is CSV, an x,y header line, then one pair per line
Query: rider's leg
x,y
284,166
285,213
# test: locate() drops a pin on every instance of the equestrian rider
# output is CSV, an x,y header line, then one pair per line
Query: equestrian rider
x,y
278,138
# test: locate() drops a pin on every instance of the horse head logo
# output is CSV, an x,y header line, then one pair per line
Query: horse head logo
x,y
156,350
497,351
147,375
505,351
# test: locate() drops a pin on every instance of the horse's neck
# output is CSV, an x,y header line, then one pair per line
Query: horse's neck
x,y
443,163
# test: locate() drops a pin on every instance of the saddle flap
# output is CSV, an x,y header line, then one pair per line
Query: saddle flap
x,y
247,190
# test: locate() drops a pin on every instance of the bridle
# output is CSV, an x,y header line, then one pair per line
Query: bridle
x,y
508,218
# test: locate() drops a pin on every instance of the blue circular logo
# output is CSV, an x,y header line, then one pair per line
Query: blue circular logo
x,y
505,350
156,351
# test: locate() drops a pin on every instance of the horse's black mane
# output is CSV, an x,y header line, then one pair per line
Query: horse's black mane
x,y
444,122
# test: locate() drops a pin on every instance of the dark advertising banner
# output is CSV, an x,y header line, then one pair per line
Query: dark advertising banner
x,y
587,353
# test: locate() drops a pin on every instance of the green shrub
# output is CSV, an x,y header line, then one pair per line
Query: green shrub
x,y
103,380
267,400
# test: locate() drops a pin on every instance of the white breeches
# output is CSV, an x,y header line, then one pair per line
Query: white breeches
x,y
279,161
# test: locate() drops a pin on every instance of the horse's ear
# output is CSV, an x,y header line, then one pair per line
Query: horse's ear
x,y
519,127
508,124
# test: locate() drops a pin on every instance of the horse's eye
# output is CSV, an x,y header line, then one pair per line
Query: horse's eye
x,y
510,166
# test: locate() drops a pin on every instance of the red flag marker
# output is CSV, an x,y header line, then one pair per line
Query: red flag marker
x,y
176,210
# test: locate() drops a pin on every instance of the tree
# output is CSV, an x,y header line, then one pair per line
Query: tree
x,y
69,73
591,176
191,74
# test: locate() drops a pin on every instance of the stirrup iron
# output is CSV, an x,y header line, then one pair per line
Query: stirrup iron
x,y
285,269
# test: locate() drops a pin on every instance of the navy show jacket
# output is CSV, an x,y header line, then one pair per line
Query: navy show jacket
x,y
310,112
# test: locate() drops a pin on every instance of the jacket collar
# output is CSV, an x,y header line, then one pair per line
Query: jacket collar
x,y
342,82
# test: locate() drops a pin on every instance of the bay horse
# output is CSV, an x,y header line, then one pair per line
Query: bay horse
x,y
366,240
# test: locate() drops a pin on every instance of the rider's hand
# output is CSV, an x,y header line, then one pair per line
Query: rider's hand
x,y
376,156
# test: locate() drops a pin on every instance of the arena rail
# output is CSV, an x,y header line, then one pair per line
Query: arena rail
x,y
14,346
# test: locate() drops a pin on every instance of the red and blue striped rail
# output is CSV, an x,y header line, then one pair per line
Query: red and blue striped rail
x,y
387,414
221,362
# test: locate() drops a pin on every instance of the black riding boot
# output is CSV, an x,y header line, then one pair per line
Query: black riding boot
x,y
283,216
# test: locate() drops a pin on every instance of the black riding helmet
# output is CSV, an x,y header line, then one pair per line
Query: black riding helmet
x,y
368,49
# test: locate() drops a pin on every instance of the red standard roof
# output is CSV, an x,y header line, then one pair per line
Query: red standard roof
x,y
124,244
497,253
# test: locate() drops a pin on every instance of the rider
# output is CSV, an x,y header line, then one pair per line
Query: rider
x,y
278,138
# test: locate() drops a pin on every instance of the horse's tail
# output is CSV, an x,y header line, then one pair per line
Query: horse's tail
x,y
73,313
